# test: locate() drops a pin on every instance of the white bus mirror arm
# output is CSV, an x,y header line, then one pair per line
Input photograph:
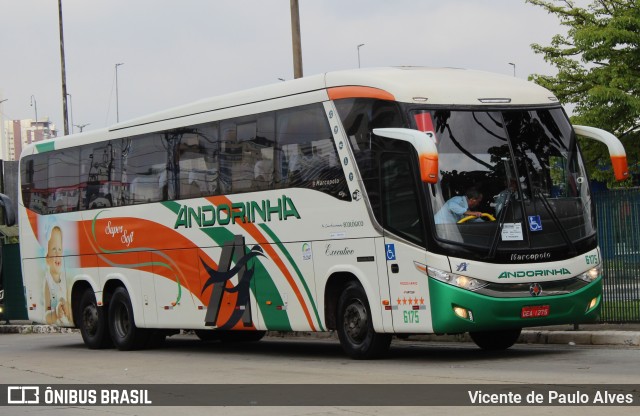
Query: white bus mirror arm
x,y
616,149
425,145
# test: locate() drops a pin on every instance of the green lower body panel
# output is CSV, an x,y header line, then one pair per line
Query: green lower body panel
x,y
490,313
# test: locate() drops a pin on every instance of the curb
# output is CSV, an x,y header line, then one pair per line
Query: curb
x,y
628,338
34,329
605,337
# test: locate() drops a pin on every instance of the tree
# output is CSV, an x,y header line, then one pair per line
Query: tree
x,y
598,64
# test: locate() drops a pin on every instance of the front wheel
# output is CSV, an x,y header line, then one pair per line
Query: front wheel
x,y
495,340
355,327
93,322
124,332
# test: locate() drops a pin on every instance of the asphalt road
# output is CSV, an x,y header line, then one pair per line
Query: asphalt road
x,y
61,358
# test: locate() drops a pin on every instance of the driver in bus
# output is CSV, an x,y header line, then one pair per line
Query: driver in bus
x,y
459,207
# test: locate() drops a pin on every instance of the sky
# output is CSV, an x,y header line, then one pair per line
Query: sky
x,y
175,52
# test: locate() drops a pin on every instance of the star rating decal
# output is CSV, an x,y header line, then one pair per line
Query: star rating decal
x,y
410,301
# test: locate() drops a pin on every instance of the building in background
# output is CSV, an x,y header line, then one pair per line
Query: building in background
x,y
19,133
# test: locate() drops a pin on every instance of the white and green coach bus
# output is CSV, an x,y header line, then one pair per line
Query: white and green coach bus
x,y
369,202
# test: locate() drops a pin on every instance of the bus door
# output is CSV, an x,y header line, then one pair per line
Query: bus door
x,y
403,244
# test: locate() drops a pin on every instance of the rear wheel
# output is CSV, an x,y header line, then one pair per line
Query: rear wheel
x,y
241,336
124,333
93,322
207,335
355,327
495,340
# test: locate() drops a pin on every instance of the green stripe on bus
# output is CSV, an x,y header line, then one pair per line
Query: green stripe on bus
x,y
271,234
172,205
45,146
268,292
274,319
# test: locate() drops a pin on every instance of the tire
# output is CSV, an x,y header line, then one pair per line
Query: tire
x,y
495,340
93,322
355,327
241,336
207,335
124,333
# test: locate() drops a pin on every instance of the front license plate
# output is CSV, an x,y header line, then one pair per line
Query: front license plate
x,y
535,311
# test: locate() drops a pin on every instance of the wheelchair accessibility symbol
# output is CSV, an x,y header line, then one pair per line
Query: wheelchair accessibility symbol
x,y
390,249
535,223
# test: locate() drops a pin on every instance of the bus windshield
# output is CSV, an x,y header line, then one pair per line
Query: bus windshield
x,y
520,167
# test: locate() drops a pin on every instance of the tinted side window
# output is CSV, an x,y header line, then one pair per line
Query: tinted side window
x,y
359,117
401,208
145,169
247,153
307,156
101,175
264,144
197,161
64,191
35,188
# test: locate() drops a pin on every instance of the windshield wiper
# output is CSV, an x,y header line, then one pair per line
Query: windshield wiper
x,y
572,248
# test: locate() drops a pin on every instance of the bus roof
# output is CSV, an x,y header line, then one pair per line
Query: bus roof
x,y
439,86
421,85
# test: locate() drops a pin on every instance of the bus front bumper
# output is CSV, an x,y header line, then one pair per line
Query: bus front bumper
x,y
456,310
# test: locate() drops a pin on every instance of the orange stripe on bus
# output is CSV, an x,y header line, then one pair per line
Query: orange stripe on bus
x,y
255,233
336,93
33,221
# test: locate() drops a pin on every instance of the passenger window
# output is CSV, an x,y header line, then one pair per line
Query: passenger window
x,y
145,169
198,161
306,155
242,169
247,153
101,175
35,189
264,144
63,173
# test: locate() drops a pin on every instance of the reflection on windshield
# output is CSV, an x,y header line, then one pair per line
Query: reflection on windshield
x,y
528,173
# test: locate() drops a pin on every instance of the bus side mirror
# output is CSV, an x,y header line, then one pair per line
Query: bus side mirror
x,y
424,143
9,213
616,149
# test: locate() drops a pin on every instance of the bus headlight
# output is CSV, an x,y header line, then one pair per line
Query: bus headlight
x,y
591,274
461,281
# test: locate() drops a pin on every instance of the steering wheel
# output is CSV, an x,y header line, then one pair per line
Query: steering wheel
x,y
473,217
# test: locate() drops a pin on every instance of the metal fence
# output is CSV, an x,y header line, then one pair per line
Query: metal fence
x,y
618,214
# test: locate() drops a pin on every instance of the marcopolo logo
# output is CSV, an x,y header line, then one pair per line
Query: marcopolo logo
x,y
534,273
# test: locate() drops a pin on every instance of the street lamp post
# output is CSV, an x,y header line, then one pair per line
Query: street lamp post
x,y
514,68
296,40
71,111
5,146
64,74
117,103
358,48
81,126
34,104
